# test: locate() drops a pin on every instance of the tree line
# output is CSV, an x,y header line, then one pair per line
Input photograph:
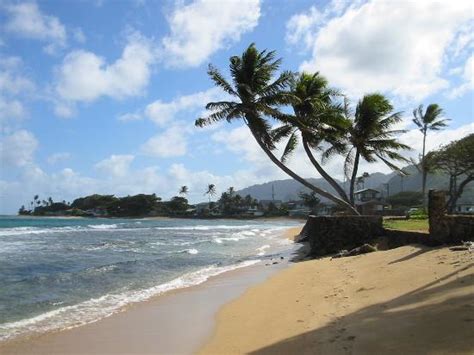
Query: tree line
x,y
321,119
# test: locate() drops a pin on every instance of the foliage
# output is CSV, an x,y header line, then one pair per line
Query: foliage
x,y
257,98
428,121
132,206
177,205
371,136
94,201
310,200
406,199
457,160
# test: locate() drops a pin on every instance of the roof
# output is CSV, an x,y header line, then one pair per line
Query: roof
x,y
372,202
365,190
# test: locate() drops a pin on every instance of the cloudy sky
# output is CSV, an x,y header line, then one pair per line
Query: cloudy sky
x,y
100,96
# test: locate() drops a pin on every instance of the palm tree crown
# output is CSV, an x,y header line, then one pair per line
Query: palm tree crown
x,y
211,191
257,95
183,190
372,137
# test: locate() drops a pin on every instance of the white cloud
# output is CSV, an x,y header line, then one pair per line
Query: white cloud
x,y
18,149
79,35
468,80
14,87
130,117
12,80
58,157
84,76
163,112
171,143
394,47
115,165
202,27
26,20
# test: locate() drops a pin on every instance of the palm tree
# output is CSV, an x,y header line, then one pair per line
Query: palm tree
x,y
429,121
211,191
183,190
257,98
317,119
371,136
231,191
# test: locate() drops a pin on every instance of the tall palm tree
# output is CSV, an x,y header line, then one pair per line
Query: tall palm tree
x,y
317,119
211,191
372,137
257,97
428,121
183,190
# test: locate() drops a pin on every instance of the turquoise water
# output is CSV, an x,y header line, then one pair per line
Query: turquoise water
x,y
59,273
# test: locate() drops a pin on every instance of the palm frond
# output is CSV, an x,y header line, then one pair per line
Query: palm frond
x,y
290,147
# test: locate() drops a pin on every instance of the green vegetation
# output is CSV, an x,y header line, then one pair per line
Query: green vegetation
x,y
406,199
457,160
407,224
320,119
428,121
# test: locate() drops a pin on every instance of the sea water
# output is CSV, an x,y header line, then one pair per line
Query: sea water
x,y
58,273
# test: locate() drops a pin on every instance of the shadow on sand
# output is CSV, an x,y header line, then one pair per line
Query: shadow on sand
x,y
393,326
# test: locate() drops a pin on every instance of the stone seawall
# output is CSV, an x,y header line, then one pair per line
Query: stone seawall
x,y
447,229
330,234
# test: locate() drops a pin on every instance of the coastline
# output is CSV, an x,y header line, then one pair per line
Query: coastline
x,y
164,323
408,300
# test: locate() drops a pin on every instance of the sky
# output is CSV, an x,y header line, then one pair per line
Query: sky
x,y
101,96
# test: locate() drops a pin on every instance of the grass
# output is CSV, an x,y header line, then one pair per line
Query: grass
x,y
407,225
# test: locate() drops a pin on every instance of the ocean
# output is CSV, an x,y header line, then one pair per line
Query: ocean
x,y
58,273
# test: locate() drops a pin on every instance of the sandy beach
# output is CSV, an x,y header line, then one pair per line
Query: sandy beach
x,y
409,300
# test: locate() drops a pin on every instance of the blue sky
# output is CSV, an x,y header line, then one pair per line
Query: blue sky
x,y
100,96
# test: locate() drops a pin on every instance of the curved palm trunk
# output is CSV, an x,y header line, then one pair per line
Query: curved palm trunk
x,y
323,173
302,181
354,176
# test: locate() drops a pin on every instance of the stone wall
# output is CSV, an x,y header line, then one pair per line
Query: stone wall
x,y
331,234
447,229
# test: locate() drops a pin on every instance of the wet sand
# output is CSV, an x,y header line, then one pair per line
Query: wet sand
x,y
178,322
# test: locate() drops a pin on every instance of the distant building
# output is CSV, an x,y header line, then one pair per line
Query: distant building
x,y
464,205
369,202
266,203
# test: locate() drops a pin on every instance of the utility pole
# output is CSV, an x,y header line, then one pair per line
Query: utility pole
x,y
273,193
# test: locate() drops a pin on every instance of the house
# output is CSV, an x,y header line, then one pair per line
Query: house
x,y
266,203
254,211
464,205
369,202
297,209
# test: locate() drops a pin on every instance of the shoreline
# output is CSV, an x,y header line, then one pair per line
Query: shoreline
x,y
155,324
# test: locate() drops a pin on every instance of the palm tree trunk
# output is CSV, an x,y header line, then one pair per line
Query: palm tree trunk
x,y
302,181
323,173
354,176
424,173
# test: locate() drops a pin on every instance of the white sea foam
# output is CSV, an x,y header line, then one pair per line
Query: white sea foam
x,y
261,250
97,308
102,226
205,228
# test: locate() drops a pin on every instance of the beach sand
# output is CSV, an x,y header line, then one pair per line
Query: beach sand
x,y
178,322
409,300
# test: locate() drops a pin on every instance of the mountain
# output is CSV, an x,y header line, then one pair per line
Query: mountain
x,y
392,183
